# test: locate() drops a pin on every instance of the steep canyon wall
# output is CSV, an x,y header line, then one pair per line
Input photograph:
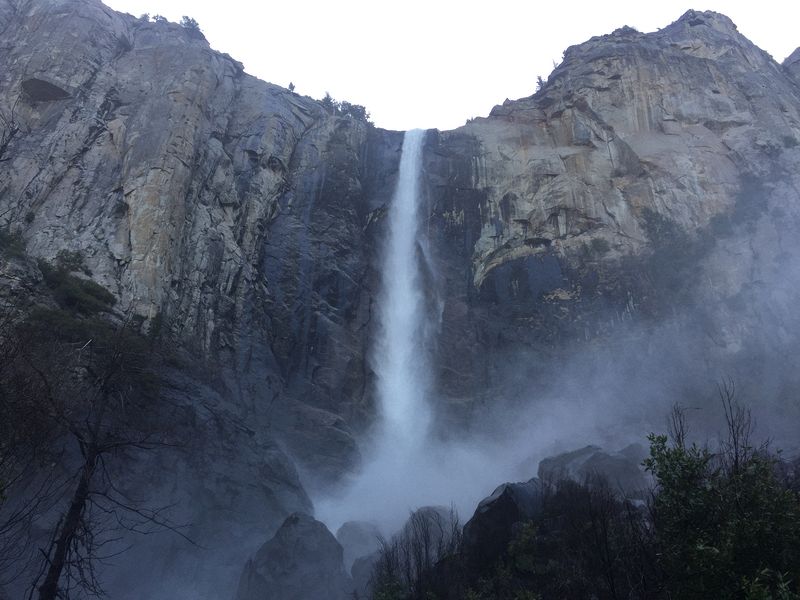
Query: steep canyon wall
x,y
649,193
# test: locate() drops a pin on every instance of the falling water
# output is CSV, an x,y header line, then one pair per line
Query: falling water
x,y
393,477
404,468
400,362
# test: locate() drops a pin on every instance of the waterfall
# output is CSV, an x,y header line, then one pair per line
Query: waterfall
x,y
400,360
398,473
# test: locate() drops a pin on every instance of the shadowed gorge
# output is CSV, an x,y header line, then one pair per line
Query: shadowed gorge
x,y
269,333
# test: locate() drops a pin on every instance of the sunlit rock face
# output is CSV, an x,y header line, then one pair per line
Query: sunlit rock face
x,y
651,173
667,121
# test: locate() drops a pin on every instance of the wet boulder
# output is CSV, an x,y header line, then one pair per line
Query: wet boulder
x,y
621,470
498,517
303,561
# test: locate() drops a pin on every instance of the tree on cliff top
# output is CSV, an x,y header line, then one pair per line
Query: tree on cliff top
x,y
192,27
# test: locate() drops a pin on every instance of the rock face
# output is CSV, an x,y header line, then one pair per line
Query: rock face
x,y
651,185
230,209
362,574
231,212
667,121
792,65
361,542
623,190
302,562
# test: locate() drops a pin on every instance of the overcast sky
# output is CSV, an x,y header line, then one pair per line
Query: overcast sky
x,y
435,63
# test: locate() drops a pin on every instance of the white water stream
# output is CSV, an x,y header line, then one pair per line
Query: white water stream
x,y
389,485
400,360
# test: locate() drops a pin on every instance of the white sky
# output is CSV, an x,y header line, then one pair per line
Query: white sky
x,y
436,63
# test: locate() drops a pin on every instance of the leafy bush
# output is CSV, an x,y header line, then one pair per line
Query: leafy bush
x,y
354,110
72,292
344,108
723,519
190,23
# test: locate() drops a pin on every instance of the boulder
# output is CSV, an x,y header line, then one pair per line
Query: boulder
x,y
621,470
358,539
303,561
497,518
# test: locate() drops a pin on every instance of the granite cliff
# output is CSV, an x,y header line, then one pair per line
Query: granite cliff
x,y
650,173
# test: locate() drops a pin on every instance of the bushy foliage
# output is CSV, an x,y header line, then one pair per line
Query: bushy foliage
x,y
600,245
72,261
190,23
72,292
724,521
344,108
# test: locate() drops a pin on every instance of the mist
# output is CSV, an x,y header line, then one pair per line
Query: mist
x,y
609,391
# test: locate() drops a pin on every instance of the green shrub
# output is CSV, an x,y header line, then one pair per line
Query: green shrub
x,y
344,108
75,293
722,520
71,262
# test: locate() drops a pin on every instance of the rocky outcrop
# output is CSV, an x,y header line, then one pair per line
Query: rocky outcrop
x,y
792,65
362,574
497,519
302,562
649,179
621,471
358,539
666,121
